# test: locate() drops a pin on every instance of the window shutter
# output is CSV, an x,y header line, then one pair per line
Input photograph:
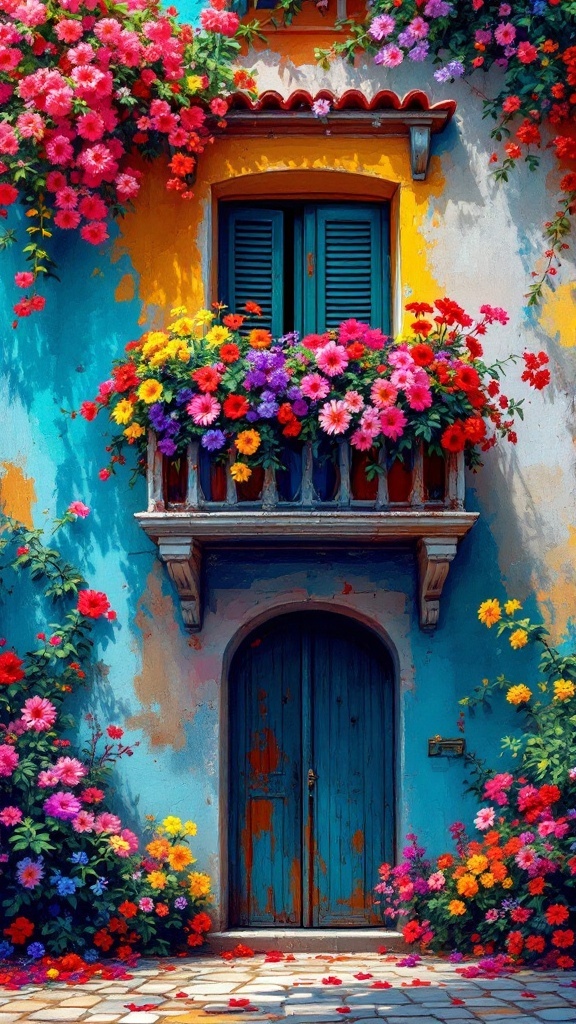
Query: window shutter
x,y
346,266
252,246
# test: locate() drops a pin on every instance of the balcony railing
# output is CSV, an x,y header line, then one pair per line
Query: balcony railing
x,y
334,480
323,499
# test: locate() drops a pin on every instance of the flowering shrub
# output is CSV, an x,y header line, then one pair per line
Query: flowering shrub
x,y
72,876
85,85
210,377
533,45
510,888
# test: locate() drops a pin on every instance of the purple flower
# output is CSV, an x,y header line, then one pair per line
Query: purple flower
x,y
184,396
167,446
390,56
62,805
212,440
420,51
382,26
278,380
299,407
442,75
437,9
252,416
35,950
267,409
321,108
290,339
456,68
254,379
406,38
455,957
180,902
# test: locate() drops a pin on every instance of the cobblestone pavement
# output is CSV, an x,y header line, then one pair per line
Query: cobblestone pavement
x,y
299,991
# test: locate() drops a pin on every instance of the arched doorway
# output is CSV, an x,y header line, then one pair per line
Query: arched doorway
x,y
311,772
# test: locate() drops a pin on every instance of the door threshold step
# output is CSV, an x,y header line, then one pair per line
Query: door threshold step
x,y
310,940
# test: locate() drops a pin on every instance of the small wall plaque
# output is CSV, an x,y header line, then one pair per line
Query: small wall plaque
x,y
440,747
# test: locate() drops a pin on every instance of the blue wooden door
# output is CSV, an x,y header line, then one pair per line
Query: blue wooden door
x,y
311,773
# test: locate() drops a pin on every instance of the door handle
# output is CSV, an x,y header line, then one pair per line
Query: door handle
x,y
311,778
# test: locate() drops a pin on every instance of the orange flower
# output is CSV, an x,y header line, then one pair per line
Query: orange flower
x,y
181,165
260,338
445,860
512,846
253,307
467,885
233,321
536,886
128,909
498,869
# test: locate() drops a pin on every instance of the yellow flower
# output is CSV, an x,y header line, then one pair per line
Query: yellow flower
x,y
150,390
456,907
158,848
199,884
507,883
518,694
203,316
193,83
134,431
512,606
519,638
172,825
154,342
159,357
52,973
180,857
122,413
190,828
184,325
248,441
156,880
467,885
118,844
564,689
477,863
217,335
240,472
487,879
178,311
490,612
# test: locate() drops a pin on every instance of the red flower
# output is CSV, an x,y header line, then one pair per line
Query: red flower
x,y
235,407
536,943
207,378
355,350
515,943
421,327
229,353
451,313
92,795
234,321
557,913
10,668
92,603
536,886
563,939
115,732
20,930
8,194
285,413
422,355
196,940
419,308
467,378
201,923
475,429
293,428
412,931
454,439
128,909
474,347
125,377
253,307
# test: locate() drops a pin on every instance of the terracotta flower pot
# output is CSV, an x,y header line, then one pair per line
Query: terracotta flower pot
x,y
360,486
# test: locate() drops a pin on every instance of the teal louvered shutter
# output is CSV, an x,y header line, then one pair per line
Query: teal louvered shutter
x,y
252,263
346,265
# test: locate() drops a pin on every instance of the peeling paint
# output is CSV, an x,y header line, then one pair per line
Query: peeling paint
x,y
17,494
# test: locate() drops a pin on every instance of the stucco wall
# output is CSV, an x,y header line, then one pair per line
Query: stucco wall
x,y
457,234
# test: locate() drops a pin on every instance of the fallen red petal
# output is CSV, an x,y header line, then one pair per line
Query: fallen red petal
x,y
363,977
181,995
380,984
239,1002
331,981
342,1009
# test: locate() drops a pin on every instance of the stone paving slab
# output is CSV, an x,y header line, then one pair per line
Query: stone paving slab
x,y
293,991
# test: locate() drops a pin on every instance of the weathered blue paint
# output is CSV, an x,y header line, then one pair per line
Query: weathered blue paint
x,y
311,769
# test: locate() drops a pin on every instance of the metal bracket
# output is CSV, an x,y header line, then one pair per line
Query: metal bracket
x,y
440,747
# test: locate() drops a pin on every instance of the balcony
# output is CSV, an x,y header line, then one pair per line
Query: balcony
x,y
322,499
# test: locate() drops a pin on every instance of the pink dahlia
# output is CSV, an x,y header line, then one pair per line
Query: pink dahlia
x,y
69,770
130,838
314,386
437,881
332,359
353,401
10,816
392,422
146,904
9,759
362,440
47,778
351,330
401,359
203,409
83,822
485,818
370,421
59,150
107,822
67,219
78,508
390,56
334,417
383,393
62,805
419,397
24,278
94,232
402,378
38,714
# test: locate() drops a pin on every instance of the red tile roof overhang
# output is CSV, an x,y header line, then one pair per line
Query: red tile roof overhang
x,y
352,115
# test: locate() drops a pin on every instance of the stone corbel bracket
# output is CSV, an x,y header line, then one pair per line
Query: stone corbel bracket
x,y
434,557
183,559
419,150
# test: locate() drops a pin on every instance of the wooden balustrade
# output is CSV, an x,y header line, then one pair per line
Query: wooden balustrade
x,y
335,480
